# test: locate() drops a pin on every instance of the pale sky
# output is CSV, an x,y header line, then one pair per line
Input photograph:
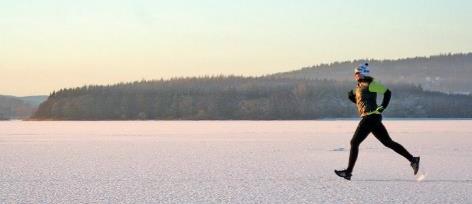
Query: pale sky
x,y
46,45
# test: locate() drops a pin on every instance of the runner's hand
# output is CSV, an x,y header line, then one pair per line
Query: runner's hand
x,y
380,109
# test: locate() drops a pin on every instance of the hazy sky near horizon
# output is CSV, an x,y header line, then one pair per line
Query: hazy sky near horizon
x,y
46,45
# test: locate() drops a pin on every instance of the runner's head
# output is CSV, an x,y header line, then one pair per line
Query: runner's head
x,y
361,71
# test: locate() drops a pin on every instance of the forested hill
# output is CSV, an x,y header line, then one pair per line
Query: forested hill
x,y
225,98
451,73
12,107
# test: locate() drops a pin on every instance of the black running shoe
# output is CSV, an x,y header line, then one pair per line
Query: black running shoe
x,y
415,164
343,173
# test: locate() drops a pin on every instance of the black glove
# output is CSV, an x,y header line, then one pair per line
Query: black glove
x,y
351,96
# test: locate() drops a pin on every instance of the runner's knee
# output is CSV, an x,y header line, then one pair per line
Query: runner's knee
x,y
355,143
388,143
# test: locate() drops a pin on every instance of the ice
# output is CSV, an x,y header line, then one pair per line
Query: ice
x,y
230,162
340,149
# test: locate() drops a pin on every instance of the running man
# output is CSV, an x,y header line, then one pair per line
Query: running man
x,y
365,97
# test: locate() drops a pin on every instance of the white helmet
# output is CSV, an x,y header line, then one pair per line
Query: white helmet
x,y
362,69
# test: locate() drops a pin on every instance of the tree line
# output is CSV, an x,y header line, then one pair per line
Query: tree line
x,y
237,98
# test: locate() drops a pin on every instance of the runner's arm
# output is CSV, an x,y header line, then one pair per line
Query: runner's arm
x,y
351,96
386,98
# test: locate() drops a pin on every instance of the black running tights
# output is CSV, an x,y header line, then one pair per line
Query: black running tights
x,y
373,124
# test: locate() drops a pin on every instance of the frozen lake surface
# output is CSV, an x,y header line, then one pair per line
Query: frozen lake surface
x,y
230,162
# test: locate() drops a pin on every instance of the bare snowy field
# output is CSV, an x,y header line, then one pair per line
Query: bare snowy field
x,y
230,162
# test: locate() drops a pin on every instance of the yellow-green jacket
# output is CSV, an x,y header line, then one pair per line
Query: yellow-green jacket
x,y
365,96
